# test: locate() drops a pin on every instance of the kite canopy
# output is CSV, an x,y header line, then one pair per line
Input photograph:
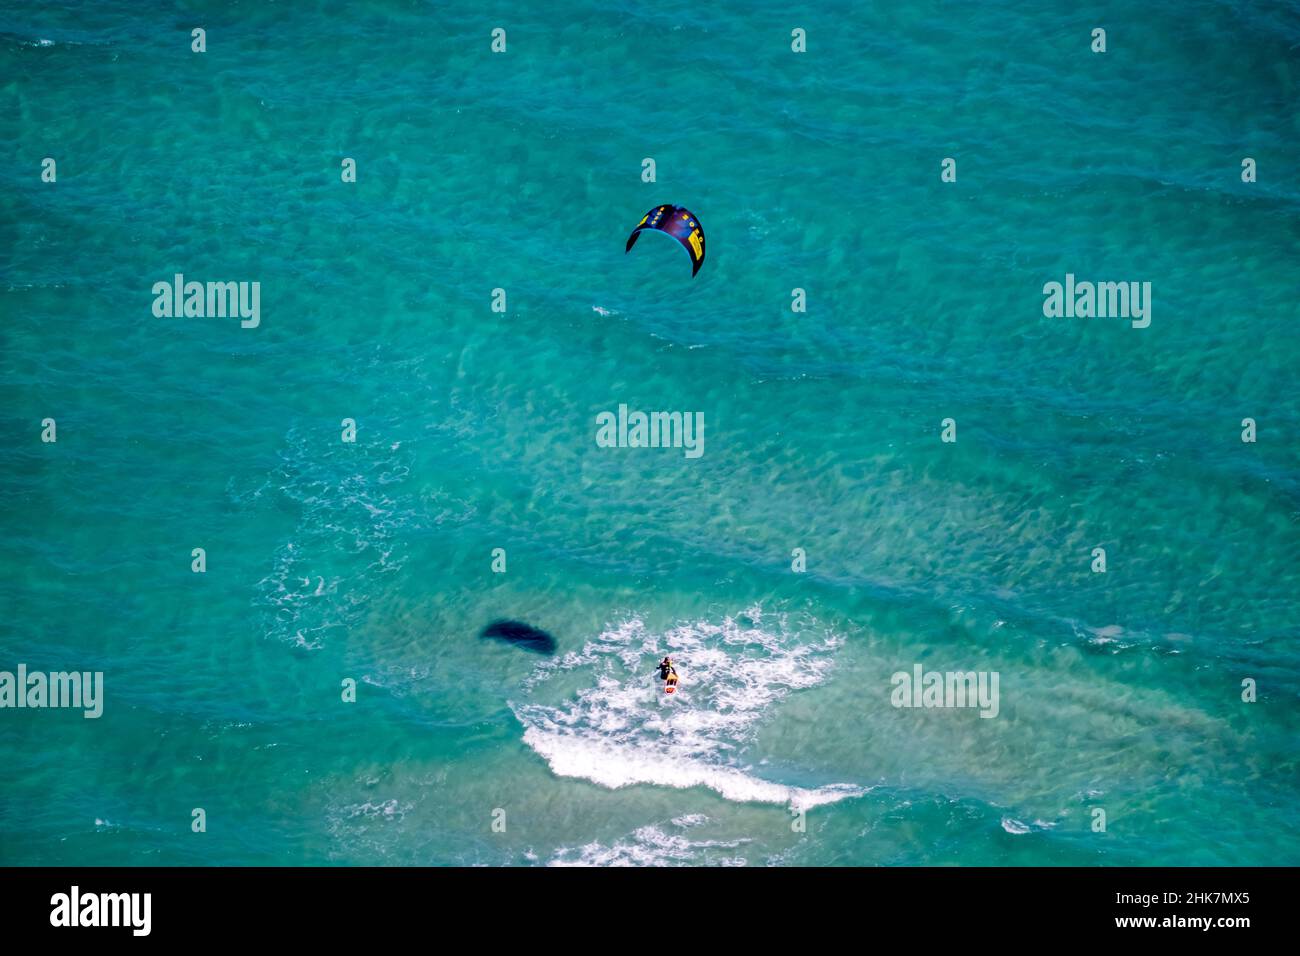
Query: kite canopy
x,y
678,222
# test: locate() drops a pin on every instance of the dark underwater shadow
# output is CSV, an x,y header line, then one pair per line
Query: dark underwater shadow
x,y
521,635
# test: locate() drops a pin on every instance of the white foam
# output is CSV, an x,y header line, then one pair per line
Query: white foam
x,y
690,820
390,809
623,730
647,846
1018,827
352,521
616,765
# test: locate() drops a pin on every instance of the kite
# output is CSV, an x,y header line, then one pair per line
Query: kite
x,y
678,222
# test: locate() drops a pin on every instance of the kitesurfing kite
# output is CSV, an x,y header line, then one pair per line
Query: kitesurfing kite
x,y
678,222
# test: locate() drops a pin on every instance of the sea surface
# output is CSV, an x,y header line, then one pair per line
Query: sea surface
x,y
372,560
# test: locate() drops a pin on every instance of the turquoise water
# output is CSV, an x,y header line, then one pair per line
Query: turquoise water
x,y
372,560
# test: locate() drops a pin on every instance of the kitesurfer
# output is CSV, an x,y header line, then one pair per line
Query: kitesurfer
x,y
666,668
668,674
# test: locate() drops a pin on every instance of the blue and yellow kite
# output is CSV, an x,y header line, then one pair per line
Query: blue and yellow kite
x,y
678,222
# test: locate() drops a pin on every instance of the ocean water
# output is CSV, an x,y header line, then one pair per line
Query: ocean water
x,y
372,560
